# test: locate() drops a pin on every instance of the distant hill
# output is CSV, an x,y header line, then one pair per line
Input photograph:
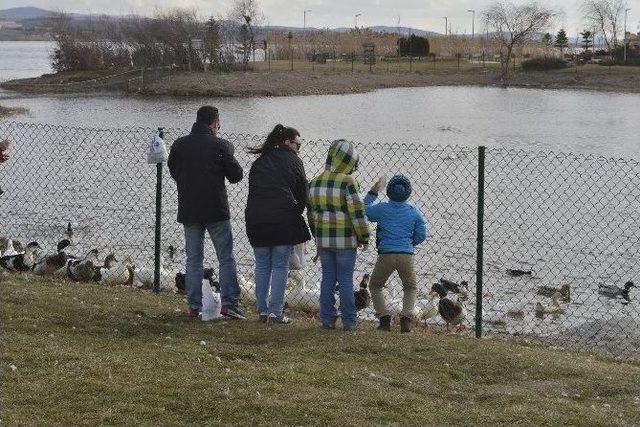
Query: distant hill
x,y
23,13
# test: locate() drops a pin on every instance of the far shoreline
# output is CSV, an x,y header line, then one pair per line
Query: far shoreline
x,y
617,79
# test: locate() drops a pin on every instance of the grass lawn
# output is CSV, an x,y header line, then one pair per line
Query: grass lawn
x,y
80,354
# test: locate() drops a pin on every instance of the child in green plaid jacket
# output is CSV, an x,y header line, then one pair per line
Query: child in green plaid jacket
x,y
338,222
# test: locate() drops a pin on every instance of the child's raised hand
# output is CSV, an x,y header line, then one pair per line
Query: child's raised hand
x,y
380,183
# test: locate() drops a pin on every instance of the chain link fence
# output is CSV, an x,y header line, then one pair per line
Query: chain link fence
x,y
550,220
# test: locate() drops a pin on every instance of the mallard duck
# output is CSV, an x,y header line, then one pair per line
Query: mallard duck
x,y
451,309
362,296
118,273
548,291
518,273
613,291
553,308
22,261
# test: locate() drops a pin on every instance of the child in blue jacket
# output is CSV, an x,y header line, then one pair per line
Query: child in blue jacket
x,y
400,228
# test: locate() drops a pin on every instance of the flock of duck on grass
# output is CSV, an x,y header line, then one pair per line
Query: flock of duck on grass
x,y
446,298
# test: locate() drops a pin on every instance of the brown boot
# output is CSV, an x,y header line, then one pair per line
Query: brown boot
x,y
405,324
385,323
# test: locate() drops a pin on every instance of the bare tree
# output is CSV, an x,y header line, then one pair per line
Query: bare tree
x,y
606,16
247,13
514,25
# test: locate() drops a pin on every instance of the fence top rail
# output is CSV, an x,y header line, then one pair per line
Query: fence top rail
x,y
176,132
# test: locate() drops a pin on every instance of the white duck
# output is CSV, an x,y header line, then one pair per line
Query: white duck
x,y
117,274
21,261
247,289
426,308
304,298
10,250
144,277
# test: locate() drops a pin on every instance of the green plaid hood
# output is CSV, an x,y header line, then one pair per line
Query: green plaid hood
x,y
342,157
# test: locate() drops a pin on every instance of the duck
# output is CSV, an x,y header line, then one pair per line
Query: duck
x,y
21,261
306,298
549,291
517,273
9,249
247,289
362,296
456,288
613,291
144,276
52,263
426,308
207,274
81,269
451,309
296,280
553,308
117,273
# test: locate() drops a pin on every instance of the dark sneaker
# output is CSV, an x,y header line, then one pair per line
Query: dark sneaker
x,y
349,328
328,327
405,324
262,318
193,312
385,323
233,312
283,320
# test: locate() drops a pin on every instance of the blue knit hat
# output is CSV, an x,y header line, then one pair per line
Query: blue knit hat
x,y
399,188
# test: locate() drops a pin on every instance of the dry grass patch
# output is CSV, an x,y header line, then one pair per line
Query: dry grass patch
x,y
87,355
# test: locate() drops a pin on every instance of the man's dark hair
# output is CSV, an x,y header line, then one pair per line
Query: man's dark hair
x,y
208,115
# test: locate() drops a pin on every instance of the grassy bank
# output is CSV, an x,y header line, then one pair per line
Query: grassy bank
x,y
79,354
278,80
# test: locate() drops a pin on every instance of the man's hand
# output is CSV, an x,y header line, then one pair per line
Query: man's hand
x,y
380,183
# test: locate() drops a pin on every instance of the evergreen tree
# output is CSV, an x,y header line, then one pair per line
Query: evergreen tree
x,y
562,41
587,40
547,39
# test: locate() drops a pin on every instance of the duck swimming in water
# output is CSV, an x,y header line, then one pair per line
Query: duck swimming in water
x,y
548,291
613,291
518,273
553,308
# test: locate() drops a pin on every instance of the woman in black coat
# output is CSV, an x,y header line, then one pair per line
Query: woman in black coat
x,y
277,199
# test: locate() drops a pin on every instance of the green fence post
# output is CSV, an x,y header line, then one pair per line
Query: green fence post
x,y
480,243
156,272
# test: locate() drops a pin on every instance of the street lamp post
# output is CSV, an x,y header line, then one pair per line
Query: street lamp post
x,y
473,23
626,11
446,24
304,17
357,14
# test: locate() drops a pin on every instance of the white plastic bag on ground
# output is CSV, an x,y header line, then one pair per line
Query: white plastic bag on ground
x,y
211,303
297,259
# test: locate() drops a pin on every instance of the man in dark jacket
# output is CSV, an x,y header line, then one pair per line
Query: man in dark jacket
x,y
199,163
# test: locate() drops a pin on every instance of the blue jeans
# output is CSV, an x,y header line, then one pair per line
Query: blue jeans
x,y
272,267
337,266
220,233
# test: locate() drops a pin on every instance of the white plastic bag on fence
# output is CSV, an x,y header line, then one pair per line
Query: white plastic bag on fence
x,y
157,152
211,303
297,259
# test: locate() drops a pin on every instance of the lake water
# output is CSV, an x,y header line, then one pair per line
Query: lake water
x,y
571,219
24,59
561,120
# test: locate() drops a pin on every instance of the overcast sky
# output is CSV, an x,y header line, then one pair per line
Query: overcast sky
x,y
424,14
